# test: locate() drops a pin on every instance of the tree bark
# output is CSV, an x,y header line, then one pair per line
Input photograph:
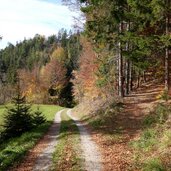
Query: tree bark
x,y
144,77
120,65
127,71
167,53
127,66
138,79
130,77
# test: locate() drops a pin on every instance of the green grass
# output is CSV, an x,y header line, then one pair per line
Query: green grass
x,y
153,164
48,110
147,140
14,149
2,110
152,149
67,153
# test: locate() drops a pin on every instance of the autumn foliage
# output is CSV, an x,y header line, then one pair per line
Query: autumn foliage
x,y
44,84
85,78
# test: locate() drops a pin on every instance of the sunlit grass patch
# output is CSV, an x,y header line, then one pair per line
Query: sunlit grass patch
x,y
14,149
151,150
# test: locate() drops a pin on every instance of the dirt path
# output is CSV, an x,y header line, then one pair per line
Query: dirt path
x,y
91,153
127,126
44,161
40,157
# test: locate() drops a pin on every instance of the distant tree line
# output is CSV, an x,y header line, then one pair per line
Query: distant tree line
x,y
44,66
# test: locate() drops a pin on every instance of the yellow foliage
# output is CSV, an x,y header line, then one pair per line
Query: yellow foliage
x,y
59,54
161,95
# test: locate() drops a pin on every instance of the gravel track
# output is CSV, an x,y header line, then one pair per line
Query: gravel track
x,y
91,154
44,161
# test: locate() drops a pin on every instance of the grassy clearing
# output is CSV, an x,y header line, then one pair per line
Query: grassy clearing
x,y
48,110
67,154
14,149
152,150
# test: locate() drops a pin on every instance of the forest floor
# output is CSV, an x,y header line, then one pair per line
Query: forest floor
x,y
114,137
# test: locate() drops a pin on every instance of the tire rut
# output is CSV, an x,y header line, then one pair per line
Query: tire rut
x,y
44,161
91,154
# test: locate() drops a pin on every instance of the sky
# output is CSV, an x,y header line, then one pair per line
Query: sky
x,y
20,19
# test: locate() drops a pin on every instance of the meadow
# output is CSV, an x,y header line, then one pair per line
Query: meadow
x,y
13,150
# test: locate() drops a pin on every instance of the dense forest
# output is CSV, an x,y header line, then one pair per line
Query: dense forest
x,y
44,67
124,44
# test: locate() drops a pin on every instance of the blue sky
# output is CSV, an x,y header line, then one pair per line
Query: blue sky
x,y
21,19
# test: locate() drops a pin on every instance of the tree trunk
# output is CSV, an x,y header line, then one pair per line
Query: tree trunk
x,y
130,77
120,66
144,77
127,66
138,79
127,71
167,54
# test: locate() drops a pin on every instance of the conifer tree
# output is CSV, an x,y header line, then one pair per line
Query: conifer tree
x,y
18,118
38,117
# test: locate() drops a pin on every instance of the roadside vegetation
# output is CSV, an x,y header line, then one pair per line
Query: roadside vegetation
x,y
102,116
67,155
152,149
2,110
13,150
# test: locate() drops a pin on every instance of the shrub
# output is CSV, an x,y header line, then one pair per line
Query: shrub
x,y
162,112
159,115
38,117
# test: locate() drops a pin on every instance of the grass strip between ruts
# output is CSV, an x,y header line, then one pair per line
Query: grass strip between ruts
x,y
67,155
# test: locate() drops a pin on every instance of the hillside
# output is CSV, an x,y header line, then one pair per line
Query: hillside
x,y
44,67
120,134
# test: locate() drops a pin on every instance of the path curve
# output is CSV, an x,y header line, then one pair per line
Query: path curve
x,y
44,161
91,153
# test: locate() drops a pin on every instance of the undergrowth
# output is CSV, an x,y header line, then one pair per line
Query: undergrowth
x,y
152,150
67,153
103,119
104,116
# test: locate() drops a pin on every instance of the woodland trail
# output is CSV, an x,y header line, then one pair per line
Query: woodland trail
x,y
44,161
115,154
91,154
114,138
40,157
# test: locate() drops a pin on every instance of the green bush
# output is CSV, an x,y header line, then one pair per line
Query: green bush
x,y
17,119
149,120
159,115
162,112
38,117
